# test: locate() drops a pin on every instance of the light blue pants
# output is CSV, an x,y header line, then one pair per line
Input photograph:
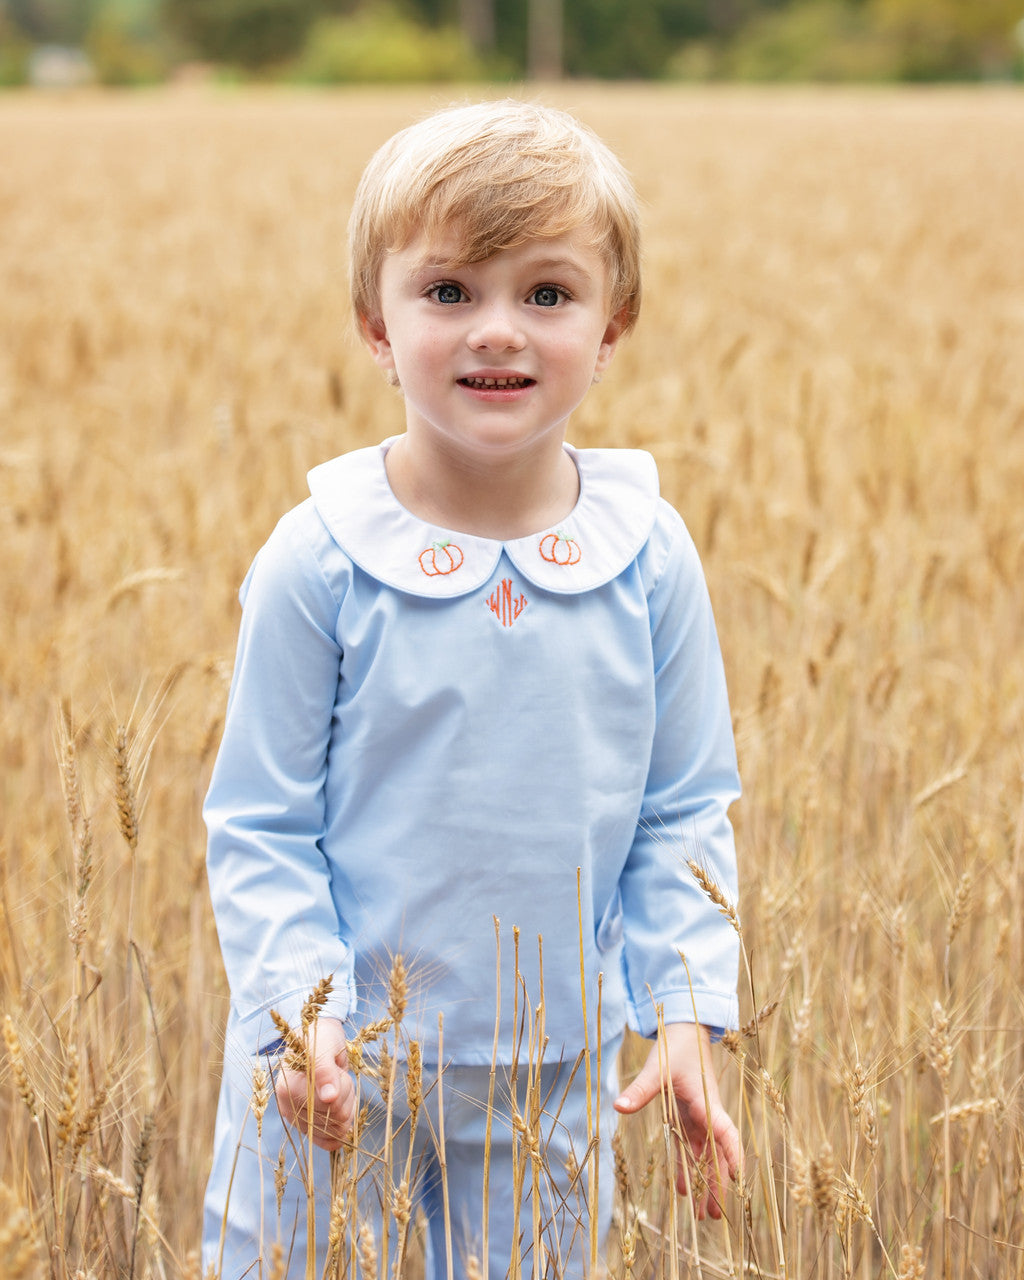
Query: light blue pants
x,y
546,1153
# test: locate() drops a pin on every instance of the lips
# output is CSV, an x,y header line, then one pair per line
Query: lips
x,y
496,383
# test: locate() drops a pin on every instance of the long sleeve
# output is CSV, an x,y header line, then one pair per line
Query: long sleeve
x,y
409,754
692,780
265,810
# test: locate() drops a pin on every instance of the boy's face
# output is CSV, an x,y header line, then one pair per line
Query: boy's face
x,y
493,356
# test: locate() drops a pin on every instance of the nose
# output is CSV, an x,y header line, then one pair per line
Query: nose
x,y
496,328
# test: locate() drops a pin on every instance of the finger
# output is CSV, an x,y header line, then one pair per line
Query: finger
x,y
334,1119
698,1179
333,1125
327,1083
727,1142
691,1160
329,1064
327,1136
290,1088
324,1129
716,1130
643,1089
348,1100
714,1145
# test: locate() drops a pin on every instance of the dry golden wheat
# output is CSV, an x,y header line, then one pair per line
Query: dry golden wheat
x,y
828,372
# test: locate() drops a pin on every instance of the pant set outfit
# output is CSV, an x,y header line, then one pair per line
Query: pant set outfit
x,y
493,759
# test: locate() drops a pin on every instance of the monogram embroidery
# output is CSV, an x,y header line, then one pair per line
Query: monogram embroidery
x,y
506,607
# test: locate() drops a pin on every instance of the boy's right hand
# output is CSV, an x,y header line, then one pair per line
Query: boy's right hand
x,y
334,1091
681,1066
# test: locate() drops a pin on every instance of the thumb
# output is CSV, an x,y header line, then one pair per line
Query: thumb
x,y
326,1067
646,1086
325,1080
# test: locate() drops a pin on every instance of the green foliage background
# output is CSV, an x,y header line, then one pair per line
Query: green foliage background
x,y
340,41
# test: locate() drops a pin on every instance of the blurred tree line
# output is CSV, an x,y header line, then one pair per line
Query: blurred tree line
x,y
330,41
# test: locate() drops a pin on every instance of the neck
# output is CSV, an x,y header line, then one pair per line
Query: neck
x,y
505,500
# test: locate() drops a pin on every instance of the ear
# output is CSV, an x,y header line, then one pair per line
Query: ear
x,y
375,335
617,327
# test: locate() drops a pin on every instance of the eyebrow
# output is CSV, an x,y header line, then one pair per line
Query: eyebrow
x,y
557,265
540,266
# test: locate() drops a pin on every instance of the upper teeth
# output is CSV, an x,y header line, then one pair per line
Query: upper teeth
x,y
496,382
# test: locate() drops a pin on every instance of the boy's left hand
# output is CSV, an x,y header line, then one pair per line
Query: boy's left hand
x,y
329,1082
686,1048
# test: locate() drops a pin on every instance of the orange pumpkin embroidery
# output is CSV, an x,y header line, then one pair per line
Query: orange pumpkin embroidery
x,y
441,558
556,548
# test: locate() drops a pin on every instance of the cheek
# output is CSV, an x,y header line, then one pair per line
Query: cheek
x,y
569,347
430,357
579,356
416,350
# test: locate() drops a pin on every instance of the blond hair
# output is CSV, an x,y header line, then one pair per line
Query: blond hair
x,y
496,175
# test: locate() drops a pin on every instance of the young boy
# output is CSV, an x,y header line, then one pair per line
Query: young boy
x,y
478,720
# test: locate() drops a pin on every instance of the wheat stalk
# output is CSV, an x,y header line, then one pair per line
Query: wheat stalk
x,y
16,1057
125,795
712,890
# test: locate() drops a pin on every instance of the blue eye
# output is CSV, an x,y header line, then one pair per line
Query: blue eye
x,y
447,293
547,296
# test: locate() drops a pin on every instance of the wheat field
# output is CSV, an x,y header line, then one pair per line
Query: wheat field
x,y
829,370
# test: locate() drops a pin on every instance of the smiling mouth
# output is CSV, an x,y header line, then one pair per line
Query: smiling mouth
x,y
496,384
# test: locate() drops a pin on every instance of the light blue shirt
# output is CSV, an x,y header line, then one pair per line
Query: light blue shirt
x,y
432,739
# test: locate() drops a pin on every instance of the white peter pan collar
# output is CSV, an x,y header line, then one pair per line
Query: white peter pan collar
x,y
592,545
